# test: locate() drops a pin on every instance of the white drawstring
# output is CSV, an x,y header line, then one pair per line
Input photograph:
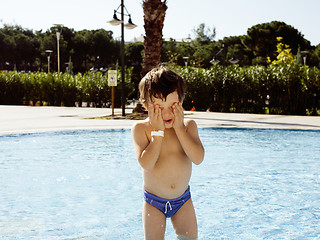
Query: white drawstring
x,y
166,207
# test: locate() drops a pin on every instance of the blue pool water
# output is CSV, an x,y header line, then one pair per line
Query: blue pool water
x,y
253,184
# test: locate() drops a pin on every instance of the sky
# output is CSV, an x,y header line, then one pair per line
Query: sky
x,y
229,18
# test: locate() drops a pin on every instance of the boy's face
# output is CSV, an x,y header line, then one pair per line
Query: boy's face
x,y
166,107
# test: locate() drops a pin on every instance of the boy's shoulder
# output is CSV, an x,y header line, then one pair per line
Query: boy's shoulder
x,y
141,125
190,123
144,125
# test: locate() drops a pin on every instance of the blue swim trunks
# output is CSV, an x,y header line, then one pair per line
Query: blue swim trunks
x,y
168,206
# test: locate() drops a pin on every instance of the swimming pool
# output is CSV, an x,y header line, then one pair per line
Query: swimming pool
x,y
253,184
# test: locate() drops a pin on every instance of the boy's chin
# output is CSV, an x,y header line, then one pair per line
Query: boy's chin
x,y
168,125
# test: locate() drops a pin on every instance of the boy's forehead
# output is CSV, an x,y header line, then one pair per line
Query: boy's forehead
x,y
172,97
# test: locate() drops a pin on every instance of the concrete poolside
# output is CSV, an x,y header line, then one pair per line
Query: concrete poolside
x,y
27,119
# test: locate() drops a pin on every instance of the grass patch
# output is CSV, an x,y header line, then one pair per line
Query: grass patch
x,y
129,116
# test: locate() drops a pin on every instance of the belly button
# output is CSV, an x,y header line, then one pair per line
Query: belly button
x,y
173,186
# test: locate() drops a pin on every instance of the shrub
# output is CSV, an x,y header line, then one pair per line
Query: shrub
x,y
278,89
11,89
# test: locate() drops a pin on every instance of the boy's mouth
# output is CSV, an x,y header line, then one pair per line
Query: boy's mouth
x,y
168,121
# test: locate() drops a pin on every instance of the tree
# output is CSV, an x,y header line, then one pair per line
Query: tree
x,y
204,34
7,49
105,47
154,14
317,55
261,39
134,53
170,51
19,47
133,57
82,50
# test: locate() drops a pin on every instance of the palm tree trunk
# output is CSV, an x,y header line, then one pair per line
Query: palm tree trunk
x,y
154,14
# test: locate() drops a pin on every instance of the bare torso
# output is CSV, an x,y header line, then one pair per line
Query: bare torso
x,y
171,175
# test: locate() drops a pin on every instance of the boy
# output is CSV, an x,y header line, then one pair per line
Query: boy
x,y
166,146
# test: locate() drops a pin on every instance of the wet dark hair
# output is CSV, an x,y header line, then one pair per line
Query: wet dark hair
x,y
159,83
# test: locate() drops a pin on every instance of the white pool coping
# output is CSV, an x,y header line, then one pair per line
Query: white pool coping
x,y
29,119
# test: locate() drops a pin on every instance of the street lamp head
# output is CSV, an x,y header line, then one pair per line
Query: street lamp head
x,y
214,61
130,24
115,21
48,51
58,27
233,60
185,61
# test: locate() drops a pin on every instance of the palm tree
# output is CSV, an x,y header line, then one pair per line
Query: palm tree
x,y
154,14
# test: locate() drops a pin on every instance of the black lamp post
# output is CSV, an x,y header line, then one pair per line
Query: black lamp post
x,y
116,21
215,60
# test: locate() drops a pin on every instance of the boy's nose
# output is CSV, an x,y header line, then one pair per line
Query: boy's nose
x,y
167,111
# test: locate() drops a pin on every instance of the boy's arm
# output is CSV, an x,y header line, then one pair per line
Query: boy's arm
x,y
190,142
188,136
147,152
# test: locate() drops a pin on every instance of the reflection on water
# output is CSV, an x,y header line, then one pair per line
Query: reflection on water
x,y
253,184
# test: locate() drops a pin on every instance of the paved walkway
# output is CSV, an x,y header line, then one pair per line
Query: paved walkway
x,y
27,119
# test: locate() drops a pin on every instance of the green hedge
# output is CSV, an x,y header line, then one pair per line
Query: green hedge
x,y
56,89
287,89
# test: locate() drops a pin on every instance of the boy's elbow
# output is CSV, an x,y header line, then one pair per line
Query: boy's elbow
x,y
199,158
146,167
198,161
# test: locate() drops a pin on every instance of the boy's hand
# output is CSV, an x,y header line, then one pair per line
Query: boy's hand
x,y
178,116
155,117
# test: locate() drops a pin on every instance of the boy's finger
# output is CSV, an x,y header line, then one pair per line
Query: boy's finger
x,y
174,105
151,109
180,107
156,109
159,113
178,111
